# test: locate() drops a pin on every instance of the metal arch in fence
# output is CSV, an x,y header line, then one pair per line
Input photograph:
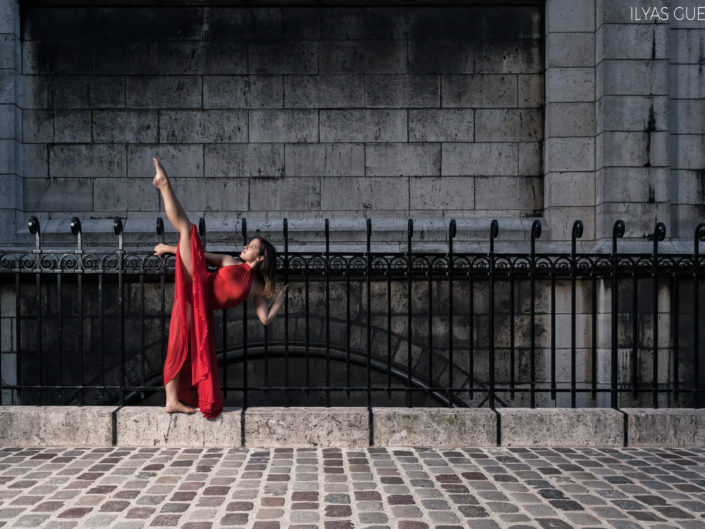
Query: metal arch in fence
x,y
439,285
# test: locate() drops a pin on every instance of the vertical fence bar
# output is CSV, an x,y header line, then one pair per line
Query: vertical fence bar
x,y
576,234
553,333
617,233
699,236
34,229
286,310
593,351
452,230
162,293
60,336
430,330
409,258
675,324
535,233
659,235
368,261
389,328
327,282
471,333
76,230
494,231
101,330
307,287
347,328
512,344
117,228
244,336
635,331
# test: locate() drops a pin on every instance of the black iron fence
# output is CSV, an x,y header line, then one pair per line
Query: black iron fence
x,y
368,328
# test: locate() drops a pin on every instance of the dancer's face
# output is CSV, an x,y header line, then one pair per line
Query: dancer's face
x,y
251,251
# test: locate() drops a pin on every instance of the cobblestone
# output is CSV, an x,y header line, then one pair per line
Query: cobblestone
x,y
338,488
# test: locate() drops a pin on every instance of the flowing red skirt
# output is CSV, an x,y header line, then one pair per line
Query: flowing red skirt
x,y
191,350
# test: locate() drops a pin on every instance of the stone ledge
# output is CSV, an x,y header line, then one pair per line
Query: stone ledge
x,y
684,428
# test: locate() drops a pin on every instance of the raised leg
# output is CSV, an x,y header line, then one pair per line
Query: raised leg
x,y
176,215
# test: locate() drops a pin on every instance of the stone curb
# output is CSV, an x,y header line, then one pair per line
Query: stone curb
x,y
149,426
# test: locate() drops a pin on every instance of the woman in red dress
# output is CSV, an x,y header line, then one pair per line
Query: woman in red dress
x,y
191,368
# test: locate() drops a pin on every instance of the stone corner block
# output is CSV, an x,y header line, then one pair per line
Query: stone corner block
x,y
562,427
667,427
143,426
60,426
434,427
306,427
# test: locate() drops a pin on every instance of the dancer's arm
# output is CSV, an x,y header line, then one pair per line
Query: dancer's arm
x,y
266,314
215,259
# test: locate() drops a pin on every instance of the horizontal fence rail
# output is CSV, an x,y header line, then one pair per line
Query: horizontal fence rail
x,y
365,328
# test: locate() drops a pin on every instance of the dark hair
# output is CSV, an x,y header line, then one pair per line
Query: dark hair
x,y
266,269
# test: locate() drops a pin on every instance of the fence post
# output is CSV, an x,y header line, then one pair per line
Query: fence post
x,y
410,234
576,234
452,230
494,232
77,231
617,233
117,228
659,235
535,234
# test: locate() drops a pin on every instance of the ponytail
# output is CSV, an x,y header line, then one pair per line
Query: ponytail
x,y
266,269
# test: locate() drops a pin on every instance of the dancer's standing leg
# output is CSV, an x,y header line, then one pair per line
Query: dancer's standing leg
x,y
178,218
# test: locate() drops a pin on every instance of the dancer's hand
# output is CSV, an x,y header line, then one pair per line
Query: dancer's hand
x,y
161,249
160,177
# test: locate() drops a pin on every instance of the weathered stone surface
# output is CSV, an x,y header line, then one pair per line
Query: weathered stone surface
x,y
561,427
634,77
35,161
212,194
565,50
163,92
632,184
578,15
283,125
87,160
434,427
508,125
7,122
633,149
402,91
151,426
690,151
8,156
239,91
37,126
202,57
179,160
283,57
331,159
442,125
285,194
634,41
50,194
363,125
32,91
244,160
570,85
498,192
131,126
323,91
569,189
530,90
56,426
479,91
72,126
362,56
402,159
482,159
111,58
666,427
293,427
87,92
125,194
508,56
234,23
439,56
447,192
364,194
207,126
570,119
569,154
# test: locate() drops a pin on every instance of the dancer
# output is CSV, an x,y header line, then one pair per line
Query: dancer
x,y
191,368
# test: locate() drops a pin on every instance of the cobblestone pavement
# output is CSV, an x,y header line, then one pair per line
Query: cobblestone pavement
x,y
334,488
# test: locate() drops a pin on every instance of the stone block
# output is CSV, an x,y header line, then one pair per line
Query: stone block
x,y
402,159
283,126
689,114
635,113
566,427
212,194
33,91
570,119
8,10
7,122
87,160
178,91
205,126
363,125
634,41
688,47
11,193
530,159
569,154
265,159
72,126
361,56
690,189
508,125
283,57
129,126
479,91
638,217
284,194
441,56
37,126
530,90
690,151
570,85
43,426
35,161
442,125
8,157
312,427
434,427
179,160
446,192
150,426
570,50
323,91
577,15
666,428
126,58
58,194
635,77
569,189
254,91
402,91
202,57
125,194
363,194
8,51
325,159
633,149
235,23
513,56
364,24
87,92
497,192
632,184
481,159
561,220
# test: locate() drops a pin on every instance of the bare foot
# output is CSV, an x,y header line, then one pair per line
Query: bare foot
x,y
177,407
160,178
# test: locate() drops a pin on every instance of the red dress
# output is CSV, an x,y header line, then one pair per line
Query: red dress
x,y
191,327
